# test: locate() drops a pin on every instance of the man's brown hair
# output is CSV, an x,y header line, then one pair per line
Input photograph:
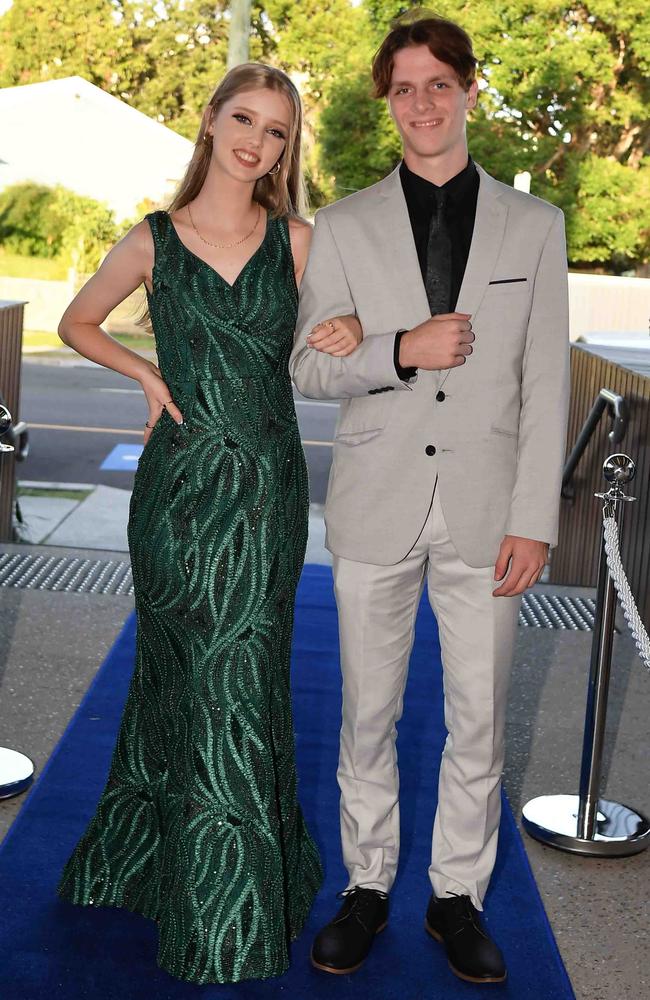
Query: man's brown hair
x,y
444,39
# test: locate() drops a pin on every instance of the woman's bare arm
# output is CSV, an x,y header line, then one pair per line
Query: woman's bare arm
x,y
125,267
340,335
300,233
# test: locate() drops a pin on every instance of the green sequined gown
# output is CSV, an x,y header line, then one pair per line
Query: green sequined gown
x,y
199,826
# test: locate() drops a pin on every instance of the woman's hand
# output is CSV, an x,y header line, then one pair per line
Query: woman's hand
x,y
338,337
158,398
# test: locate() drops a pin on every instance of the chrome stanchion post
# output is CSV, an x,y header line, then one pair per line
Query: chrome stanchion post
x,y
585,823
618,470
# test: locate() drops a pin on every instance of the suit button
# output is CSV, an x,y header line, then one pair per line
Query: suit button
x,y
430,449
440,396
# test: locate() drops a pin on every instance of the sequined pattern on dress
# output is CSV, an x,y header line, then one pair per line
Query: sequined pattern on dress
x,y
199,826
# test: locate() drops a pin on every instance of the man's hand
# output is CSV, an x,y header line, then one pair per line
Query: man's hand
x,y
339,336
440,342
523,559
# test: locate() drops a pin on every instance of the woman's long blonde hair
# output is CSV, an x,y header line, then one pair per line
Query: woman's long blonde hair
x,y
282,193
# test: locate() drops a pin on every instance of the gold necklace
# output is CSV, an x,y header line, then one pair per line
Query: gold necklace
x,y
226,246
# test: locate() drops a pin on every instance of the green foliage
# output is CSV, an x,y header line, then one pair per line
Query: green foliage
x,y
607,216
319,43
50,39
38,221
87,229
358,142
181,47
24,221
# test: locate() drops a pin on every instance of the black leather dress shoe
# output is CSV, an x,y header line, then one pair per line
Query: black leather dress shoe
x,y
343,945
472,955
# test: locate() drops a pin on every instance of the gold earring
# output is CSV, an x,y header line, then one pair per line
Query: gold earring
x,y
207,137
275,169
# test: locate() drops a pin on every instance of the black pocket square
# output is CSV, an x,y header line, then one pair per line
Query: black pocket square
x,y
507,281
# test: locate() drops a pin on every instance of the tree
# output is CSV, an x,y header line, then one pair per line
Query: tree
x,y
50,39
182,46
317,42
40,221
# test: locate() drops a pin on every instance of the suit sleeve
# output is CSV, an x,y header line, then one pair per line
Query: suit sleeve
x,y
325,293
545,387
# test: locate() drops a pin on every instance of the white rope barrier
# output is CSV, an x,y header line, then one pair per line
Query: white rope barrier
x,y
617,573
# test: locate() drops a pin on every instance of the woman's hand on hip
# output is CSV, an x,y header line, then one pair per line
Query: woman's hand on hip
x,y
158,398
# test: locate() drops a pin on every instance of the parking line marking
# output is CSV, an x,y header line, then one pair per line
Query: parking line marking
x,y
122,430
85,430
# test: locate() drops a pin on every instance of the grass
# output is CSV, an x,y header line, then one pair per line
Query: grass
x,y
136,341
42,341
33,491
14,265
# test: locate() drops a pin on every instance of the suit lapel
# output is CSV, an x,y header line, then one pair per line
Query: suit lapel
x,y
489,230
402,258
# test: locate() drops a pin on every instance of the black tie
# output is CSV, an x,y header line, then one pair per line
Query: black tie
x,y
438,279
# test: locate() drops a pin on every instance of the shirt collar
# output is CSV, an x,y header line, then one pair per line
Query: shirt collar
x,y
458,188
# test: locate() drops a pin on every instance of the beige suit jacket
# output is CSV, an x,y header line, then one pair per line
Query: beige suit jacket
x,y
499,433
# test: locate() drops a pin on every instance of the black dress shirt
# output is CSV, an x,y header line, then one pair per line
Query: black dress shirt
x,y
420,195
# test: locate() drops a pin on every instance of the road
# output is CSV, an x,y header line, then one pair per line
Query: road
x,y
79,413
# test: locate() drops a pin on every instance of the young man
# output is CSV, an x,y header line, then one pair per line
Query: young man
x,y
447,465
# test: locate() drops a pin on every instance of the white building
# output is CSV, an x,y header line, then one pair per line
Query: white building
x,y
72,133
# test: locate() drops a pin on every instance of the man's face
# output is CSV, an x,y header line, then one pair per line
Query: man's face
x,y
428,104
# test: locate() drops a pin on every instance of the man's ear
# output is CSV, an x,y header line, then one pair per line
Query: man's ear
x,y
472,95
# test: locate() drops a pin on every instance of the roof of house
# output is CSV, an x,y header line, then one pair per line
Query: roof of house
x,y
70,132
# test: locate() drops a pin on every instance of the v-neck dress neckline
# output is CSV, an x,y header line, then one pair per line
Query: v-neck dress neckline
x,y
205,263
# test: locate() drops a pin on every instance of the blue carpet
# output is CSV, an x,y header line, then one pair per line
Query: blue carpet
x,y
52,949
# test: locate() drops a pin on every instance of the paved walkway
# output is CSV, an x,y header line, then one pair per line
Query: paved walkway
x,y
97,517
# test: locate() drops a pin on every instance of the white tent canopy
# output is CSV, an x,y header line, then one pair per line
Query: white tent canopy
x,y
72,133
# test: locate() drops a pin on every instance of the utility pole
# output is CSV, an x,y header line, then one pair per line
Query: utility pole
x,y
240,27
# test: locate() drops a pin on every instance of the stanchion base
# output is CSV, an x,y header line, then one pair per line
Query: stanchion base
x,y
553,819
16,772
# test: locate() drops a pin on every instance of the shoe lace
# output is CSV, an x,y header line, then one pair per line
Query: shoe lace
x,y
360,902
466,912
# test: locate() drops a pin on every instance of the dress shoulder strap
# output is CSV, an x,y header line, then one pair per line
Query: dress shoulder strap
x,y
282,226
160,225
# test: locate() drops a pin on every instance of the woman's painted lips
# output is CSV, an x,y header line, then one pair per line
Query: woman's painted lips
x,y
246,158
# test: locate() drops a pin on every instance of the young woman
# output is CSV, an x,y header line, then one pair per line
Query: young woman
x,y
199,826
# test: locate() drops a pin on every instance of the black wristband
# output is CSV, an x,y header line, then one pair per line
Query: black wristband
x,y
404,373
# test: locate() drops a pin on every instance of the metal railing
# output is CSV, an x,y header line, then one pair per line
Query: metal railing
x,y
619,413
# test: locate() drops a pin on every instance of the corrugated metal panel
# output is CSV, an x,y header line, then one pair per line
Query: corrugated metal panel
x,y
575,560
11,338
